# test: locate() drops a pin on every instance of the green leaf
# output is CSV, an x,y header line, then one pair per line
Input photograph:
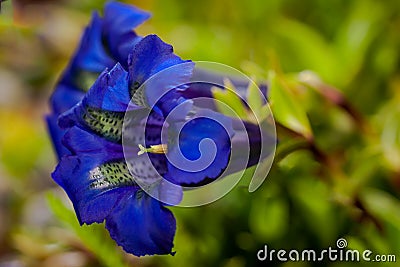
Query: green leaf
x,y
382,205
308,47
94,236
388,119
386,209
255,99
355,36
286,109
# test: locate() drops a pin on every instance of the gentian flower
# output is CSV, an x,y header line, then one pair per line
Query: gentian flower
x,y
102,187
140,105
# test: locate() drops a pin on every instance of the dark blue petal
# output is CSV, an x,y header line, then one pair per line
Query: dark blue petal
x,y
125,46
95,177
110,91
56,134
119,20
64,97
90,188
187,164
91,54
150,56
80,142
142,226
171,101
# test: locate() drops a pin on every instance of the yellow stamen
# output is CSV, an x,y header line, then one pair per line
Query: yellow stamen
x,y
157,149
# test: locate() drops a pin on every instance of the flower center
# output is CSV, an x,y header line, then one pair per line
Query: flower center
x,y
157,149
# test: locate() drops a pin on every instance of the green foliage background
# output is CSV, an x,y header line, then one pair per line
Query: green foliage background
x,y
333,69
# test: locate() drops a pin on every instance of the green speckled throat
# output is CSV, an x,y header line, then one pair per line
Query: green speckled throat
x,y
110,175
105,123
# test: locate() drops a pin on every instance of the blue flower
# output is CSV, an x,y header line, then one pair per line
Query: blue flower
x,y
140,104
106,41
96,175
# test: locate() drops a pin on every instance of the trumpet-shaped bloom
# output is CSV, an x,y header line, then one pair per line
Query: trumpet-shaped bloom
x,y
102,187
140,104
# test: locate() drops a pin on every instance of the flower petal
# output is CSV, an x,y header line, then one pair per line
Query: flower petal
x,y
202,148
110,91
118,22
149,57
79,141
142,226
93,177
93,186
56,135
63,98
91,55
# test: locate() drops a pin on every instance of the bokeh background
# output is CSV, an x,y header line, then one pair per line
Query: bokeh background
x,y
336,175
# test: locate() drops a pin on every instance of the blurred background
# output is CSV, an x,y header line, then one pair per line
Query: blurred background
x,y
337,175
